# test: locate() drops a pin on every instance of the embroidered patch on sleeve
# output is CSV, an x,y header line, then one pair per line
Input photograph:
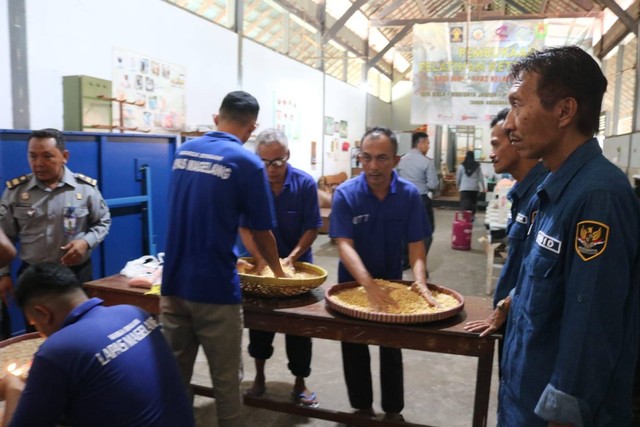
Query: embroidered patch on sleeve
x,y
591,239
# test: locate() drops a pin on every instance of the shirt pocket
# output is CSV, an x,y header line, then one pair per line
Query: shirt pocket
x,y
518,231
396,228
31,222
542,288
81,214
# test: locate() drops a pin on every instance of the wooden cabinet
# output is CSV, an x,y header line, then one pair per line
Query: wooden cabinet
x,y
83,109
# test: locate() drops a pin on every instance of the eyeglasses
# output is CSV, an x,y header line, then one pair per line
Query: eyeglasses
x,y
278,163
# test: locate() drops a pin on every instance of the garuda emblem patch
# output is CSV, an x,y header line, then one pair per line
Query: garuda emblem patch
x,y
591,239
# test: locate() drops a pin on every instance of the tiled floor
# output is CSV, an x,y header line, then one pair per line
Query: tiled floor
x,y
438,388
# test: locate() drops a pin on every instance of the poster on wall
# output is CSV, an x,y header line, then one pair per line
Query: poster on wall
x,y
344,128
153,91
328,125
287,117
461,71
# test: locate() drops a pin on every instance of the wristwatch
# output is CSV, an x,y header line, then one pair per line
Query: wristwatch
x,y
4,275
503,304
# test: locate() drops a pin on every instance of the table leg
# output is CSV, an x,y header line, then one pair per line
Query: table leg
x,y
483,386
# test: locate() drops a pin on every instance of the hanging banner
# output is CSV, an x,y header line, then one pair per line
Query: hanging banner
x,y
461,71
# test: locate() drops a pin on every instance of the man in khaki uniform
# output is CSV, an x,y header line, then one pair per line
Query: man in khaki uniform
x,y
56,215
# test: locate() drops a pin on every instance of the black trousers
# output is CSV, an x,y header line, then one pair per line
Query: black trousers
x,y
356,362
298,350
469,201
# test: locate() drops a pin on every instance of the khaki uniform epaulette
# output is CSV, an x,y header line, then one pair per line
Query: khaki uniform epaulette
x,y
13,183
86,179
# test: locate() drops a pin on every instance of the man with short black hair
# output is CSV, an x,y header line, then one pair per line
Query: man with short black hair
x,y
419,169
371,216
99,366
529,174
214,182
56,215
572,332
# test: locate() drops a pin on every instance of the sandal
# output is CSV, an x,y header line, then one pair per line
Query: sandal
x,y
306,400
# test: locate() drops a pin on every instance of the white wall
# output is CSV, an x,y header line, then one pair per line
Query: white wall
x,y
378,112
343,102
76,37
6,113
268,75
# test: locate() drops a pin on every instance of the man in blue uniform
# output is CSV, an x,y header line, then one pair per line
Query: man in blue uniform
x,y
214,182
99,366
370,217
528,173
295,197
572,333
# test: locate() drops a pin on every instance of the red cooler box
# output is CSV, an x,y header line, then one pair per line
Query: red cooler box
x,y
461,231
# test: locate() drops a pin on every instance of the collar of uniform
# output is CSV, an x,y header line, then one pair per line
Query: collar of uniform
x,y
520,188
362,181
287,176
68,177
555,183
81,310
224,135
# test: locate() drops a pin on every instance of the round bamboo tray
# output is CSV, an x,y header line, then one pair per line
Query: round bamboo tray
x,y
282,287
376,316
19,351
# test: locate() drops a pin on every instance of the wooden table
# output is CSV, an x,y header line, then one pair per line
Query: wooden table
x,y
307,315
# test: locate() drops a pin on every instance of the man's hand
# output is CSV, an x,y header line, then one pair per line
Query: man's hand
x,y
379,298
489,325
6,288
10,391
76,250
422,290
287,262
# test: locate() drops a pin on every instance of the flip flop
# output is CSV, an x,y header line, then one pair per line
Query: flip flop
x,y
306,400
255,393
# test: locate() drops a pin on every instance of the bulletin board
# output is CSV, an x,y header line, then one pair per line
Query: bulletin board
x,y
154,90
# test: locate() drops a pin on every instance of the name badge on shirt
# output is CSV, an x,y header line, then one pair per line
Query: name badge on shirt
x,y
69,220
521,218
548,242
360,218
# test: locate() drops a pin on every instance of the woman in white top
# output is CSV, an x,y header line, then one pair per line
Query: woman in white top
x,y
470,182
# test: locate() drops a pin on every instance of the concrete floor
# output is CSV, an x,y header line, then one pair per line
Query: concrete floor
x,y
438,387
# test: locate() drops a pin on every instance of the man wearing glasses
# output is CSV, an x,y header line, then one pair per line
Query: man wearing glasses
x,y
370,217
295,197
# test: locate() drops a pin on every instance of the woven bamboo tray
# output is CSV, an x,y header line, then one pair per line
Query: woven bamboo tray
x,y
282,287
335,304
19,350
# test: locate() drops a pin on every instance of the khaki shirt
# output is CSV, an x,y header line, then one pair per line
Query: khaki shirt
x,y
43,220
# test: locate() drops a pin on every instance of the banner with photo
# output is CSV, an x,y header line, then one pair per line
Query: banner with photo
x,y
460,70
153,91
